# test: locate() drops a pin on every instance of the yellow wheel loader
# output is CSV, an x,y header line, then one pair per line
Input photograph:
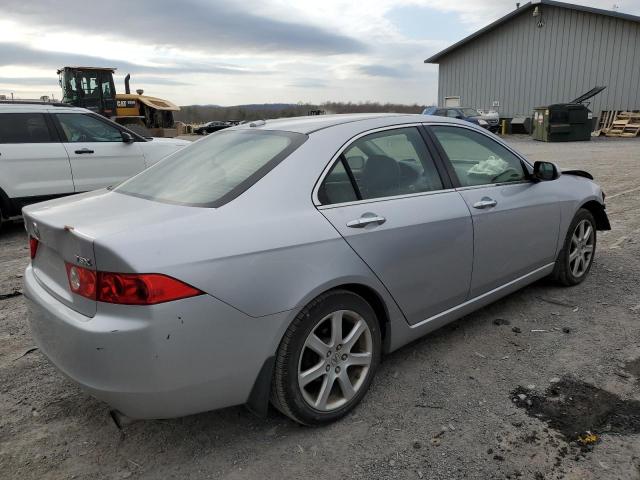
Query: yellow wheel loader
x,y
93,88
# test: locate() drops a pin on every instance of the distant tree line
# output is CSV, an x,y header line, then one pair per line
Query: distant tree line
x,y
205,113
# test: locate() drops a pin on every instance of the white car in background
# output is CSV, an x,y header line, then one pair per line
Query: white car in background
x,y
49,151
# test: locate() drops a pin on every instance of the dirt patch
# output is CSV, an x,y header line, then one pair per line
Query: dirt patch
x,y
573,408
633,367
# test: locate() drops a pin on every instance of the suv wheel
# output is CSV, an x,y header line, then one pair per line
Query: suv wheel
x,y
327,359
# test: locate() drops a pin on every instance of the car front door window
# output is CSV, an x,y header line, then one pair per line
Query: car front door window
x,y
80,127
477,159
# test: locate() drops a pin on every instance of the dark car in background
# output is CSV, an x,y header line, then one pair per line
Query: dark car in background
x,y
471,115
211,127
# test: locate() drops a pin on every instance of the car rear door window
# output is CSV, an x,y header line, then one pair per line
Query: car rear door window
x,y
478,159
383,164
24,128
81,128
337,186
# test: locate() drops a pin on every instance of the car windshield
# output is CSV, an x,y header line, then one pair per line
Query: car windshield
x,y
215,170
470,112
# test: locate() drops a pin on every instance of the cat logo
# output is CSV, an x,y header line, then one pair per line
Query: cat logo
x,y
126,103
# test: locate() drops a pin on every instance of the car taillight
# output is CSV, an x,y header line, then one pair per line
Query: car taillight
x,y
82,281
127,288
142,289
33,246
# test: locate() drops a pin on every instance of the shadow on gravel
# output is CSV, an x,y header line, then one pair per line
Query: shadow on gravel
x,y
572,408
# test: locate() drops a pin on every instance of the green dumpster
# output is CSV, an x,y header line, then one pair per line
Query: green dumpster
x,y
565,122
562,122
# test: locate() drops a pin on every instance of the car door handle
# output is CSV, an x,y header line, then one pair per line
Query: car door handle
x,y
365,220
83,150
486,202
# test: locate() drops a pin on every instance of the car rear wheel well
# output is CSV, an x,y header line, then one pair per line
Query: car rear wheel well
x,y
258,400
597,210
376,302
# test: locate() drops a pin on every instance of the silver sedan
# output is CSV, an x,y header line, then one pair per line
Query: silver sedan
x,y
278,261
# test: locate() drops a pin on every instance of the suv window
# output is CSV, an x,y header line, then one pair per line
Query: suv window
x,y
81,127
453,113
477,159
24,128
383,164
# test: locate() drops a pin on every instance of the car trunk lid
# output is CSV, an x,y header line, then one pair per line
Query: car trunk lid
x,y
59,244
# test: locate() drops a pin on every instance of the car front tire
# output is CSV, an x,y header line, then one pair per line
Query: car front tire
x,y
578,252
327,359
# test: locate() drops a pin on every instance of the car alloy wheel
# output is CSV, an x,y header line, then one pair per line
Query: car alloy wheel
x,y
578,251
582,248
327,358
335,360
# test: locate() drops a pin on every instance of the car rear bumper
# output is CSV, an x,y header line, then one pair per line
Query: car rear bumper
x,y
162,361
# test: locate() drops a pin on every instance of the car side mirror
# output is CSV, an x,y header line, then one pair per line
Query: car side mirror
x,y
545,171
127,137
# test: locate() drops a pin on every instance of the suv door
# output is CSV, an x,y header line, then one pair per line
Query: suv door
x,y
387,198
99,156
516,221
34,165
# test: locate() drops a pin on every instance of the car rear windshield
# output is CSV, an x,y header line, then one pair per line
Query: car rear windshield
x,y
214,170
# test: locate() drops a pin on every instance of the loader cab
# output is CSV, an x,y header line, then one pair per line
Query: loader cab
x,y
90,88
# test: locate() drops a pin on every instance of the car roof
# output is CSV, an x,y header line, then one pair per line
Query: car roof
x,y
18,107
314,123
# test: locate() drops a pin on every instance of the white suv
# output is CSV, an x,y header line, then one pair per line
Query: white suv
x,y
49,150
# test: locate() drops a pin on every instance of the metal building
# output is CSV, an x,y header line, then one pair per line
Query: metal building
x,y
542,53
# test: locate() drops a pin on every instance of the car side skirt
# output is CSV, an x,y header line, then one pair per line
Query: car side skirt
x,y
403,334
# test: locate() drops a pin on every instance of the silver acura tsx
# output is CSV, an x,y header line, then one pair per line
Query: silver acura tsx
x,y
277,261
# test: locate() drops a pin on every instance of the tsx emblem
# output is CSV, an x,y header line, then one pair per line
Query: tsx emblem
x,y
86,262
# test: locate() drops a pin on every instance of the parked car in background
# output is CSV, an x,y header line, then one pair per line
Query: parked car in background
x,y
467,114
492,117
279,260
211,127
49,151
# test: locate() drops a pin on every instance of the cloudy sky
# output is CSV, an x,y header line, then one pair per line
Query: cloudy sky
x,y
254,51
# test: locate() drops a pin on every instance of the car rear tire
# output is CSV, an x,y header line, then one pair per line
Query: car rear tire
x,y
578,252
327,359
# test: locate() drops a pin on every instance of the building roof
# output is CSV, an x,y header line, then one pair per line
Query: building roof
x,y
524,8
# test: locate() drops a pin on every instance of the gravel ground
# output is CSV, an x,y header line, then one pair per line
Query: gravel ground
x,y
503,393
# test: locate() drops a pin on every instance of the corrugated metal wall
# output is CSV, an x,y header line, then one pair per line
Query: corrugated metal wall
x,y
523,66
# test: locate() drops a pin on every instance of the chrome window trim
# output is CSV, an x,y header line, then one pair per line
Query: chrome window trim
x,y
489,185
345,146
383,199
